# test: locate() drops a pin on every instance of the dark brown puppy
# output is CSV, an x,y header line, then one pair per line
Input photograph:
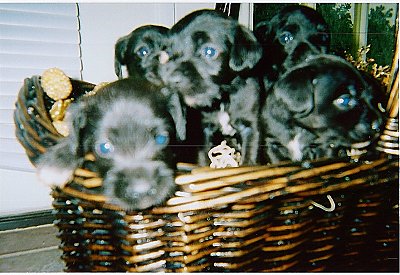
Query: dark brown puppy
x,y
129,128
207,57
321,108
139,52
289,38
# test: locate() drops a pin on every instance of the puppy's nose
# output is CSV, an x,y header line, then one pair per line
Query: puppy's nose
x,y
138,186
163,57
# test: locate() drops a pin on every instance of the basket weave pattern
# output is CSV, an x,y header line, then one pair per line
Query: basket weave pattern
x,y
34,128
260,218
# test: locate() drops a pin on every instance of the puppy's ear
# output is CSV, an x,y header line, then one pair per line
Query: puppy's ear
x,y
245,51
262,31
121,48
77,123
178,113
297,95
56,166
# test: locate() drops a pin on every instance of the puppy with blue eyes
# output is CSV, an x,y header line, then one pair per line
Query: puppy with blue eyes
x,y
139,52
289,38
207,60
128,127
320,108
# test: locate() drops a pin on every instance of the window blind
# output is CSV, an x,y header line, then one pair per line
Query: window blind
x,y
33,38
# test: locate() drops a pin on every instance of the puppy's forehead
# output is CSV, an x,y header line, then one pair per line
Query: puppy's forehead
x,y
296,19
208,27
196,17
124,111
201,37
325,71
149,29
147,34
208,20
150,37
336,77
302,20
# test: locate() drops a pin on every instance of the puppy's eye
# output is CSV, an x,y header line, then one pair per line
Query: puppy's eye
x,y
346,102
143,51
210,52
161,139
285,38
104,149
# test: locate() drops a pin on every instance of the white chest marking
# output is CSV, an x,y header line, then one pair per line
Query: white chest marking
x,y
294,148
223,119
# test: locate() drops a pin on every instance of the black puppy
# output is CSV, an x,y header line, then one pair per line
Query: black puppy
x,y
290,37
139,52
209,54
129,128
321,108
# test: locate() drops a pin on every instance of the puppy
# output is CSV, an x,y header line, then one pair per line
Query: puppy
x,y
321,108
139,52
129,129
290,37
208,57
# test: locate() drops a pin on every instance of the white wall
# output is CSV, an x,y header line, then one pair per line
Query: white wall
x,y
101,25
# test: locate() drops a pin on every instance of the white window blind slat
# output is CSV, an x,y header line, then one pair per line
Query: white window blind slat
x,y
10,46
19,74
7,130
7,102
59,8
9,87
34,61
6,115
28,33
15,162
21,18
33,37
10,145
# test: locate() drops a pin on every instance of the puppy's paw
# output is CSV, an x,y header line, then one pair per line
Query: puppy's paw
x,y
54,176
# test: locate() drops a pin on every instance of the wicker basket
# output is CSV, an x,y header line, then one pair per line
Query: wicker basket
x,y
261,218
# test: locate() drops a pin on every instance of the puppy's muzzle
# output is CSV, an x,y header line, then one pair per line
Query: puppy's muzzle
x,y
302,52
141,186
180,74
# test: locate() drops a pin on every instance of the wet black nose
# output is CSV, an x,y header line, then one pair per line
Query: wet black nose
x,y
133,183
135,188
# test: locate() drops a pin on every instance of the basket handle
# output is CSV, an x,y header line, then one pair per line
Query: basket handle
x,y
389,139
